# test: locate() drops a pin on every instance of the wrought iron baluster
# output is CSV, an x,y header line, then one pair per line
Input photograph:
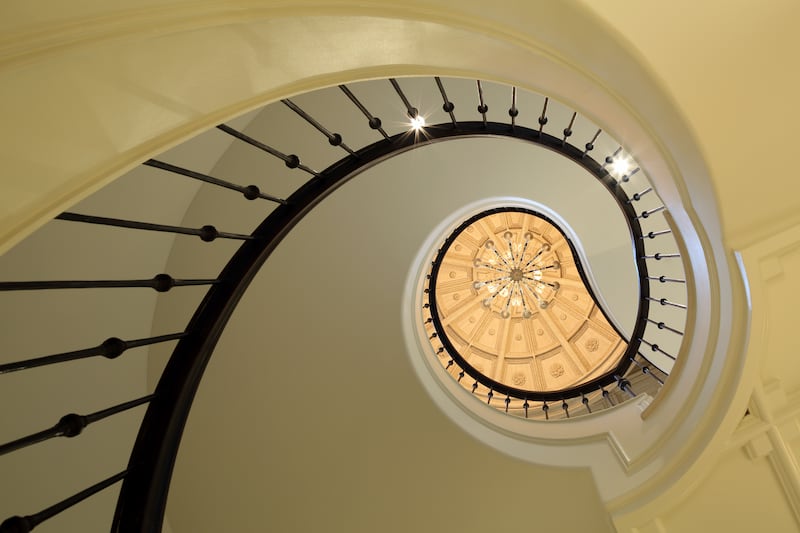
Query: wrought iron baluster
x,y
654,234
646,370
543,117
111,348
662,325
513,112
334,139
206,233
627,177
374,122
159,283
412,111
646,214
291,161
448,106
657,348
610,158
70,425
664,301
588,147
482,107
625,386
251,192
24,524
568,130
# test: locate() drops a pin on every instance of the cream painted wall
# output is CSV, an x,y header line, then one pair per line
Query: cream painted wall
x,y
725,66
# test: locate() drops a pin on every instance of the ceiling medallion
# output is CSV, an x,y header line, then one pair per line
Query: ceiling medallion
x,y
510,305
522,273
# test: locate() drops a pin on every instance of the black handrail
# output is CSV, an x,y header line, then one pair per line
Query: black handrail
x,y
144,491
143,495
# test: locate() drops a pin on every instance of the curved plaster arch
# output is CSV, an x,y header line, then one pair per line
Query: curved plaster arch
x,y
134,81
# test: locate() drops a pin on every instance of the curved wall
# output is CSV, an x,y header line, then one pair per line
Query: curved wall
x,y
132,81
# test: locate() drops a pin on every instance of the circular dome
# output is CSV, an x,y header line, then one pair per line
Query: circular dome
x,y
510,303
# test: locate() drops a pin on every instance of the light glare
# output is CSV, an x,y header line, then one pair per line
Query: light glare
x,y
418,122
621,165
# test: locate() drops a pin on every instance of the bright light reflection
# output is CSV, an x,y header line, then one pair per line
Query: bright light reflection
x,y
621,165
418,122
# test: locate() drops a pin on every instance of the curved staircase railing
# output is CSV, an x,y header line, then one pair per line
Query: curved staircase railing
x,y
145,479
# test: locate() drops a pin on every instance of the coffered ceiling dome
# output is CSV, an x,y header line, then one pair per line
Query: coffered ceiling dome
x,y
511,299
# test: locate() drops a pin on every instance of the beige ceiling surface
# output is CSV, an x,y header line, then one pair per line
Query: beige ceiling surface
x,y
511,300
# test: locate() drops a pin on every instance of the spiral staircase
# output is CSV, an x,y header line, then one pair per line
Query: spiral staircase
x,y
311,411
